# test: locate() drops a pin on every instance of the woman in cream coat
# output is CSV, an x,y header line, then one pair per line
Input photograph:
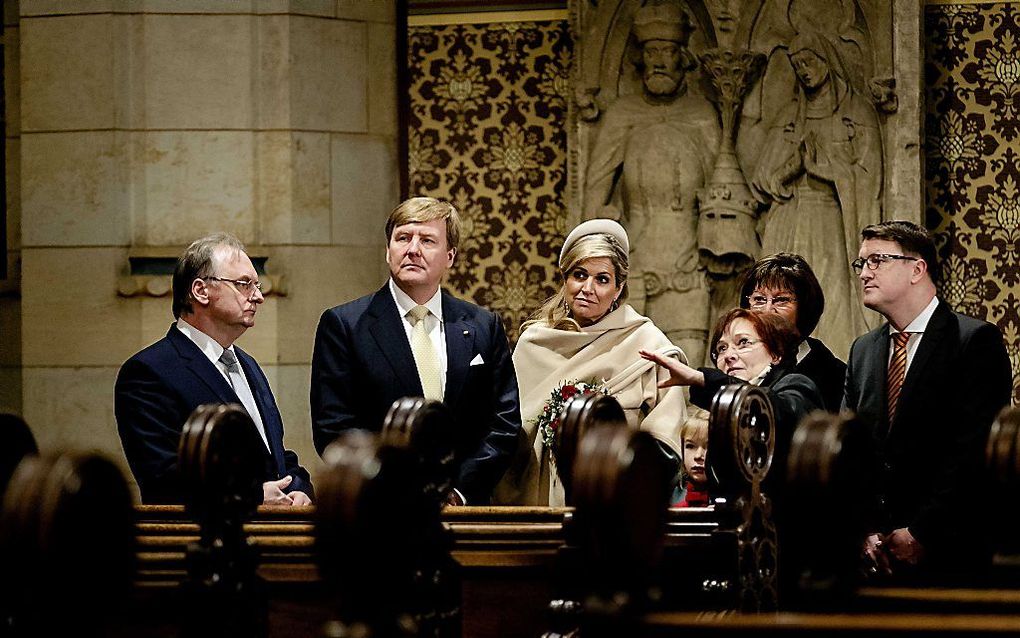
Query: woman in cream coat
x,y
587,332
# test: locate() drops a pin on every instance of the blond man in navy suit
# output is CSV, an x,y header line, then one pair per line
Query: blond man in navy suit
x,y
363,359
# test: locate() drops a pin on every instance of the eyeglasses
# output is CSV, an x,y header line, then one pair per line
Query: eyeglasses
x,y
759,300
877,259
742,345
244,286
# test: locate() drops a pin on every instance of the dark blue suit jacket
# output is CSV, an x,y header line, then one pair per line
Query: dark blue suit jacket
x,y
156,392
933,454
362,363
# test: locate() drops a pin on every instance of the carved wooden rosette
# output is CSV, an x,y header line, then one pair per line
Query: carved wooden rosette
x,y
727,237
743,427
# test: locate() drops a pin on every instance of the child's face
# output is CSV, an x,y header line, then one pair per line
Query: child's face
x,y
694,459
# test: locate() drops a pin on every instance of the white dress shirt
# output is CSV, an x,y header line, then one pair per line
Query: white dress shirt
x,y
434,324
916,329
212,350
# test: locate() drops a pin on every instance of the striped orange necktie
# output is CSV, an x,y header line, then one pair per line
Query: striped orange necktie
x,y
897,372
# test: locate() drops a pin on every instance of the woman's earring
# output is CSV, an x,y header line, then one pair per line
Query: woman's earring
x,y
566,307
615,305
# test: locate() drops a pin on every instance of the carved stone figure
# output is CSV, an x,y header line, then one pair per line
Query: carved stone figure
x,y
820,170
652,153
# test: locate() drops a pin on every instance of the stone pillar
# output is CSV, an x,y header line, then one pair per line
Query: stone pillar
x,y
148,124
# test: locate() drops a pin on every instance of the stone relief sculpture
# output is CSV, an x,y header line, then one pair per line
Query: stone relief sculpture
x,y
816,143
820,172
652,153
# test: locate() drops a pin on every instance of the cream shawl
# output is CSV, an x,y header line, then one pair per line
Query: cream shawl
x,y
545,357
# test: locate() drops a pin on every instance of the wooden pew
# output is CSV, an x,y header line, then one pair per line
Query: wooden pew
x,y
510,557
66,545
831,458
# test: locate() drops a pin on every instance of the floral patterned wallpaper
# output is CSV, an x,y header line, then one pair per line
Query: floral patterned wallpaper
x,y
487,131
972,74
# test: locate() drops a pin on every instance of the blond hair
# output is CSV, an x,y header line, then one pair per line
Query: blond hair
x,y
696,426
417,210
554,312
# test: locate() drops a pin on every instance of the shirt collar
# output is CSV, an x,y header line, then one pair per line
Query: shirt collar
x,y
405,304
920,322
205,343
803,350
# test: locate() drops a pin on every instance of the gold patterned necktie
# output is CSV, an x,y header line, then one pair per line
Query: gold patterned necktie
x,y
425,355
897,372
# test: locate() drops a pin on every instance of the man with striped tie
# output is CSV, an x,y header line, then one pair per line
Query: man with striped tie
x,y
928,383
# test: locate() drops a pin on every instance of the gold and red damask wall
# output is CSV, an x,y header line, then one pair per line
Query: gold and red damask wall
x,y
972,149
486,131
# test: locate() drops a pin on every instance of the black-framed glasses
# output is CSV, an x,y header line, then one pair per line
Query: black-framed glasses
x,y
877,259
244,286
759,300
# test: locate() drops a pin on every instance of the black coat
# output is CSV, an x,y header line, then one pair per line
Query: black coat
x,y
931,458
828,373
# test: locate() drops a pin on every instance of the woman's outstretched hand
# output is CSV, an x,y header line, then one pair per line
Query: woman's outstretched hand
x,y
679,373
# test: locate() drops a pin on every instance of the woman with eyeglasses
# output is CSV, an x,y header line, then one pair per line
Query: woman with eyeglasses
x,y
757,348
785,284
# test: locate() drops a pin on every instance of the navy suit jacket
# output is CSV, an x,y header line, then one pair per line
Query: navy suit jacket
x,y
931,458
362,363
156,392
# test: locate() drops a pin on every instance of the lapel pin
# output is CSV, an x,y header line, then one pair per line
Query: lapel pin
x,y
466,333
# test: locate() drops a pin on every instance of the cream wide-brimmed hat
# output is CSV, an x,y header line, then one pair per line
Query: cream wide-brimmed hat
x,y
595,227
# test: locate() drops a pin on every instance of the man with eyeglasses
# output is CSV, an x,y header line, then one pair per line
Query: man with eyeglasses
x,y
216,293
928,384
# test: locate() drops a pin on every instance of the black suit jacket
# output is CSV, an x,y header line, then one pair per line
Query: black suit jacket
x,y
157,390
362,363
931,458
828,373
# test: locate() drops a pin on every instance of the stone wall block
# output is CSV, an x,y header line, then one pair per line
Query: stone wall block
x,y
293,189
365,187
382,82
30,8
74,189
322,8
328,75
272,79
193,183
72,409
198,71
67,73
371,10
71,314
321,277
